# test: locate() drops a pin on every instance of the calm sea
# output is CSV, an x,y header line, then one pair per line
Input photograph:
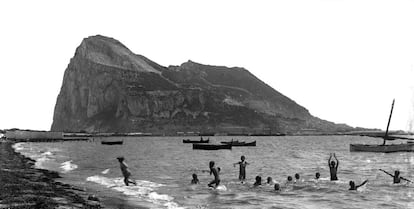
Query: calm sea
x,y
163,167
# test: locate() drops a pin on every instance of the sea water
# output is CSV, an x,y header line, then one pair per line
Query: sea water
x,y
162,168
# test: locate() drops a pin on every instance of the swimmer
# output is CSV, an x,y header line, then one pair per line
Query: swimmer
x,y
258,181
289,180
333,167
297,177
277,187
195,179
317,175
396,176
269,180
354,187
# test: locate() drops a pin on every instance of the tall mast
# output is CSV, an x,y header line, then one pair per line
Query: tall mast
x,y
389,120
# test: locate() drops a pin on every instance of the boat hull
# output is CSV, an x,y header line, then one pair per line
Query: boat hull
x,y
241,144
112,143
187,141
407,147
211,146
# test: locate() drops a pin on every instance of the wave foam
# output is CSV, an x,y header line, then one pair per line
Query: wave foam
x,y
106,171
18,146
143,190
68,166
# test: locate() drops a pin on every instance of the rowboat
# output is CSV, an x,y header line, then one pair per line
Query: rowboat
x,y
196,141
385,148
403,147
112,142
211,146
240,144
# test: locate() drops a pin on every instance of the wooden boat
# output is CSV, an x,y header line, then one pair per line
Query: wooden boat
x,y
112,142
240,144
211,146
196,141
403,147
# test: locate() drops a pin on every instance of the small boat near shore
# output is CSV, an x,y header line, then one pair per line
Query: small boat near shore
x,y
211,146
240,143
112,142
385,148
188,141
403,147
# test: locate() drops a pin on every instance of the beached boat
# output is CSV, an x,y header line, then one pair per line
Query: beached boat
x,y
196,141
385,148
112,142
211,146
240,143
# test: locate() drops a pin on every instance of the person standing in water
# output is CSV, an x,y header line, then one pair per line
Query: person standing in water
x,y
352,185
396,176
125,171
214,171
333,167
242,168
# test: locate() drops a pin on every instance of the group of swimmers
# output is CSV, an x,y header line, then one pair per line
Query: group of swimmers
x,y
333,164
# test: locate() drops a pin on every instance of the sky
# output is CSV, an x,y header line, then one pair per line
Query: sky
x,y
343,60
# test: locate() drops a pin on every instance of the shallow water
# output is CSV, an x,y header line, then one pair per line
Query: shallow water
x,y
163,166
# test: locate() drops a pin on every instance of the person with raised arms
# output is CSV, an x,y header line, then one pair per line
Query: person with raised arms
x,y
333,167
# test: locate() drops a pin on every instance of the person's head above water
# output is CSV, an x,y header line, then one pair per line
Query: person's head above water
x,y
211,164
269,180
297,176
120,159
317,175
352,184
333,163
289,178
258,180
277,187
396,173
242,158
194,176
218,169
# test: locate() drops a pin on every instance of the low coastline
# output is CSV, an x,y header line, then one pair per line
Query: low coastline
x,y
23,186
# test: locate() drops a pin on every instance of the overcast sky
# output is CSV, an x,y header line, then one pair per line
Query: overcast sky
x,y
343,60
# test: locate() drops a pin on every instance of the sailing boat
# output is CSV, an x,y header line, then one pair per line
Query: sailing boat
x,y
403,147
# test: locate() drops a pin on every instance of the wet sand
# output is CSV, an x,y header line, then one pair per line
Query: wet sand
x,y
23,186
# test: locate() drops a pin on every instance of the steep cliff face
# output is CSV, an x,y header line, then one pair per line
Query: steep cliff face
x,y
107,88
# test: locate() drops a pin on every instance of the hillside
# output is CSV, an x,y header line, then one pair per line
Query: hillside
x,y
108,88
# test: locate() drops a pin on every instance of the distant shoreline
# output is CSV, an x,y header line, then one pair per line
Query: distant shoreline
x,y
17,135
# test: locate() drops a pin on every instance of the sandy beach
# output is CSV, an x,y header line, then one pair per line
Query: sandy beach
x,y
23,186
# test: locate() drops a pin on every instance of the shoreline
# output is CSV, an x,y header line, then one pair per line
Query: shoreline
x,y
24,186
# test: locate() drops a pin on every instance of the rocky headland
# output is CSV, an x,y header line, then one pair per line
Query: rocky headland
x,y
108,88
